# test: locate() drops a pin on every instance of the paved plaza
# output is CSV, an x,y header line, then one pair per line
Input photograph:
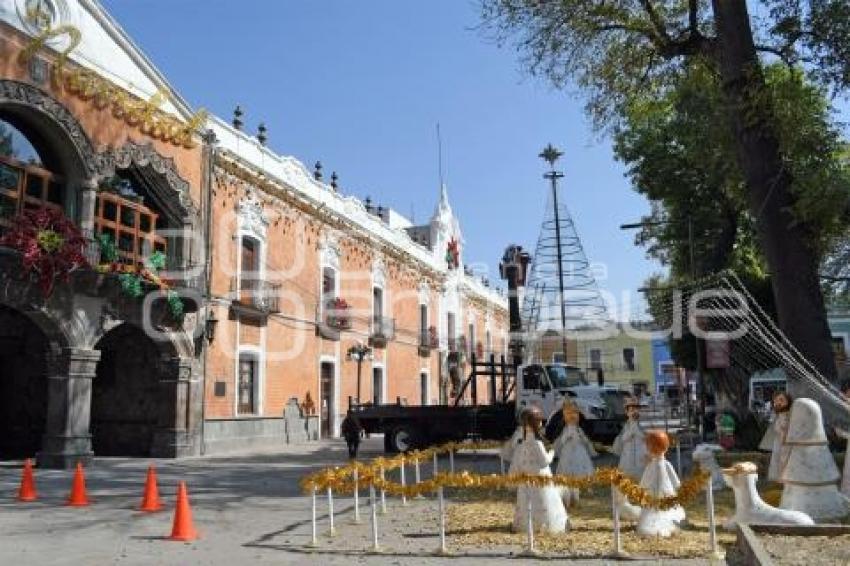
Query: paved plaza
x,y
249,509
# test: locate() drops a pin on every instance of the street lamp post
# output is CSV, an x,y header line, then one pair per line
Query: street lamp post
x,y
693,269
359,353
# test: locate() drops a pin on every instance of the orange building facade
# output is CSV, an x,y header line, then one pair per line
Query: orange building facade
x,y
226,290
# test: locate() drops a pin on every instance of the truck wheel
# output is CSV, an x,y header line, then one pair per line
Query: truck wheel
x,y
401,439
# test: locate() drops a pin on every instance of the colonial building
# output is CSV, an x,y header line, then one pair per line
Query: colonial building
x,y
215,280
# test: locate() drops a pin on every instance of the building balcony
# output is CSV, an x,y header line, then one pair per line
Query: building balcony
x,y
381,332
255,296
333,318
428,340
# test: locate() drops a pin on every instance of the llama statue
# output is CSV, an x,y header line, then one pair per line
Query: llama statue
x,y
704,455
749,506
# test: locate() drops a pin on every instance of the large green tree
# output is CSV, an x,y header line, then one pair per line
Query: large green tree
x,y
619,51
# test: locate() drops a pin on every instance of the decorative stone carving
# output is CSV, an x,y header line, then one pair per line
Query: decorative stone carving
x,y
144,155
14,92
252,219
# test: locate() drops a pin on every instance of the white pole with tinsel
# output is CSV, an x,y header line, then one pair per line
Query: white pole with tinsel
x,y
403,484
356,496
436,464
714,551
501,463
530,522
452,461
383,494
443,550
332,530
314,539
417,476
615,505
374,505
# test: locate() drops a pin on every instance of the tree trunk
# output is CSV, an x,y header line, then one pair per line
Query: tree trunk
x,y
792,262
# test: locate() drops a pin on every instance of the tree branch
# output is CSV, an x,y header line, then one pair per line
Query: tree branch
x,y
657,23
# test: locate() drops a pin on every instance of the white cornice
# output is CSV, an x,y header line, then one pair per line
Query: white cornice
x,y
292,176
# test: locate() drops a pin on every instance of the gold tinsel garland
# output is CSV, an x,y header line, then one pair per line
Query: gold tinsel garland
x,y
341,479
87,85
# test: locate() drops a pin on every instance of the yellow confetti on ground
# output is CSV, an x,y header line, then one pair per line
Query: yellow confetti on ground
x,y
487,522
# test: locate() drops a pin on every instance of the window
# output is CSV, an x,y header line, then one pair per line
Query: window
x,y
595,358
377,303
471,340
532,377
423,320
328,284
250,263
247,385
377,385
25,182
629,359
423,389
327,399
558,358
450,331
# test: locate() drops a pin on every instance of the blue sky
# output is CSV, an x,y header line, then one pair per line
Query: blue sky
x,y
360,85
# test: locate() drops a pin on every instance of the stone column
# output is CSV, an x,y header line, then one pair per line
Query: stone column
x,y
67,439
177,432
88,199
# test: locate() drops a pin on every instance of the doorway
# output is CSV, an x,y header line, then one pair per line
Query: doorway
x,y
326,398
23,385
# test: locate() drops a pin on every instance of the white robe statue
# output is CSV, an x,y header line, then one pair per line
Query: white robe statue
x,y
810,476
529,456
660,480
774,441
574,452
630,446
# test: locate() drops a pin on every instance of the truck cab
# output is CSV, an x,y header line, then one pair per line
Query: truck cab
x,y
548,385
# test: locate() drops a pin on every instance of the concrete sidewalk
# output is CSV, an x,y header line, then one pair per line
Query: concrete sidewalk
x,y
248,508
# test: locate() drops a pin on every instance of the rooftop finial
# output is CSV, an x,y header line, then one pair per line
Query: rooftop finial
x,y
317,171
334,179
237,117
261,134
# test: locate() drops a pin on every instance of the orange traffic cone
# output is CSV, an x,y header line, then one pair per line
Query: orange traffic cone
x,y
183,529
27,490
78,497
150,500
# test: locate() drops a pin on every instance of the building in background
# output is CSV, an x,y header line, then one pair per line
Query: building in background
x,y
625,358
225,284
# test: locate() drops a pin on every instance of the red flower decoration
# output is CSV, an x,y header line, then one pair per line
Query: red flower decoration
x,y
51,246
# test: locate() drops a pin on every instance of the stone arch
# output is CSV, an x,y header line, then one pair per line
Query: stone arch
x,y
57,135
25,356
127,403
160,174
